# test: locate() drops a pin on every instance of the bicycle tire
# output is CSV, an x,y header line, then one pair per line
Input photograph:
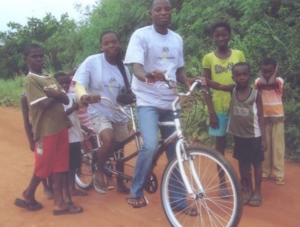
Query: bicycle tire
x,y
84,175
211,208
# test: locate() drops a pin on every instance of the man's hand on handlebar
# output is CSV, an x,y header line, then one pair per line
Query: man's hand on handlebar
x,y
89,99
154,76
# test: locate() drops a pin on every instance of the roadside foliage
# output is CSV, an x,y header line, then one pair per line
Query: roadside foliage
x,y
261,28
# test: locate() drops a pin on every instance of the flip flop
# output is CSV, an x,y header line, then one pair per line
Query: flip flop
x,y
256,202
78,193
31,206
68,210
137,202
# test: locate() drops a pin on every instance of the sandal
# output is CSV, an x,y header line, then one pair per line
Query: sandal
x,y
280,181
70,209
256,202
30,205
137,202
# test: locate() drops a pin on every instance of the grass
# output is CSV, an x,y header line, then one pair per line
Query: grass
x,y
11,91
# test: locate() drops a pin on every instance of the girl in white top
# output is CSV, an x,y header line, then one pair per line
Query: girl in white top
x,y
104,75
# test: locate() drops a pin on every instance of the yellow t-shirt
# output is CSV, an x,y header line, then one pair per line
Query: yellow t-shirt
x,y
221,73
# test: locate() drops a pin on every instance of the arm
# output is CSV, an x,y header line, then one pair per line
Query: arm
x,y
217,86
84,97
149,77
74,107
260,116
213,120
27,125
271,81
53,96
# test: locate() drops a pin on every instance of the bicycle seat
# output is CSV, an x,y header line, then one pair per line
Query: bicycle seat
x,y
126,99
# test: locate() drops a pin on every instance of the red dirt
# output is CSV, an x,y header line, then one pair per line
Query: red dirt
x,y
280,208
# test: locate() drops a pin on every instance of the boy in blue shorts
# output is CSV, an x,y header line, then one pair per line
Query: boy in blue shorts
x,y
50,125
246,123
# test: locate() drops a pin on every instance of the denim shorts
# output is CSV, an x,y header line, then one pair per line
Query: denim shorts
x,y
223,123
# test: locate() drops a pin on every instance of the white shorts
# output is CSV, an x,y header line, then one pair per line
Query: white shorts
x,y
120,130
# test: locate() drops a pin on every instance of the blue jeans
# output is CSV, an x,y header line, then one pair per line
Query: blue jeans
x,y
148,118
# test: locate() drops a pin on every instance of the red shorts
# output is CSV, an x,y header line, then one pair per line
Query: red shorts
x,y
52,154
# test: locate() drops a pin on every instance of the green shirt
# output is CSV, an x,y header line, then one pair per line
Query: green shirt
x,y
221,73
47,121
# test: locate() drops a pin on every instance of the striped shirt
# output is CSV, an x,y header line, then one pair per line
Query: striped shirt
x,y
272,101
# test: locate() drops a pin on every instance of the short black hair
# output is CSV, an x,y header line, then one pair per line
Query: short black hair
x,y
107,32
220,24
241,64
60,74
152,2
29,47
268,61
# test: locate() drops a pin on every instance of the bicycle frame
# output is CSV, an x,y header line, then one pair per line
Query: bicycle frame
x,y
176,135
180,148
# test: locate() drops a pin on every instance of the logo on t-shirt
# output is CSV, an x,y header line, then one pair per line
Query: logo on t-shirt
x,y
221,69
53,86
239,111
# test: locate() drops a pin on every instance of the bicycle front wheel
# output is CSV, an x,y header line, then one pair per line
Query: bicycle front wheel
x,y
216,199
84,175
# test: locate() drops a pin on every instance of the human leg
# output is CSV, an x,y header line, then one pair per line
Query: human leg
x,y
148,124
278,148
28,202
121,133
103,126
267,163
48,190
74,164
246,181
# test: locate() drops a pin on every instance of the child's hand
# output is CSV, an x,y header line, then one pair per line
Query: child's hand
x,y
75,105
264,145
31,144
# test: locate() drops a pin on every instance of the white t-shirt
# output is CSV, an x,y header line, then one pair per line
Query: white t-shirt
x,y
155,52
100,77
75,134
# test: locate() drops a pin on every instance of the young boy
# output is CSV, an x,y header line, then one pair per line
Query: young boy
x,y
75,136
48,185
246,124
271,88
50,125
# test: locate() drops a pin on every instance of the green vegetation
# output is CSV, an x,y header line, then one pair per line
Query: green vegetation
x,y
262,28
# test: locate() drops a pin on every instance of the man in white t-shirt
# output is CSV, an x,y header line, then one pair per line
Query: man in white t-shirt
x,y
152,52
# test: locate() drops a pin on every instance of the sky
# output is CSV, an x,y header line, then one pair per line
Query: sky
x,y
19,11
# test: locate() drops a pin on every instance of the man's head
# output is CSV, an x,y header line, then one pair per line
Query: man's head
x,y
160,12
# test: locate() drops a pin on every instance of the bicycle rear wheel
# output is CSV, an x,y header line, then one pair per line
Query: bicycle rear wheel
x,y
84,175
218,202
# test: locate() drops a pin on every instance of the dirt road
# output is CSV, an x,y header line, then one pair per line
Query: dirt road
x,y
281,207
